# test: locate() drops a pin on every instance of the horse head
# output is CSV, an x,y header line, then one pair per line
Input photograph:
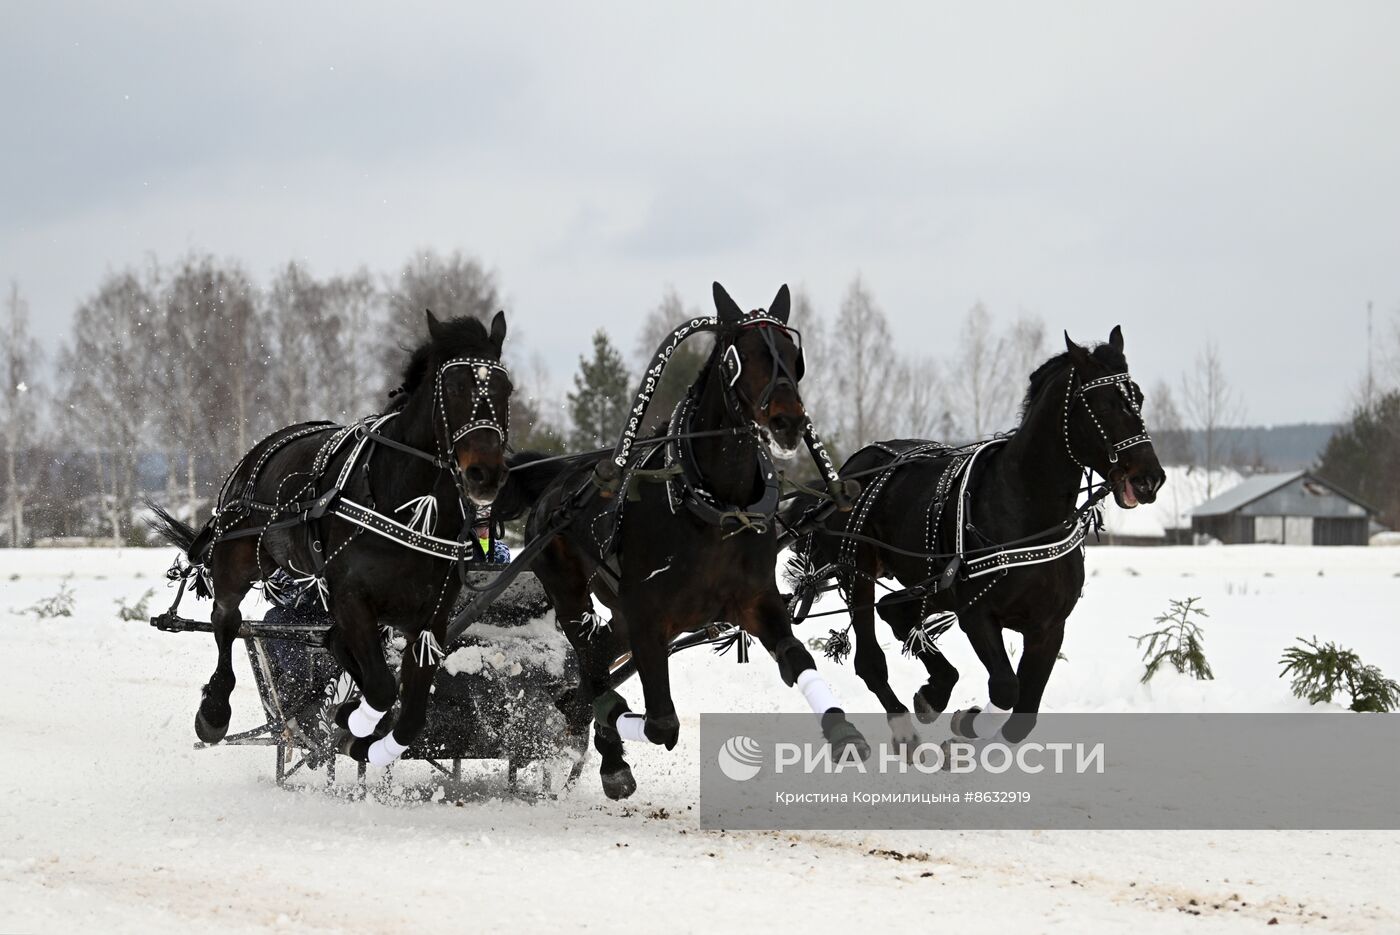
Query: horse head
x,y
1103,424
471,402
760,360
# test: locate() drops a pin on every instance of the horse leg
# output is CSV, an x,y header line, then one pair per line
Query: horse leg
x,y
1038,657
235,568
768,620
565,580
359,634
420,664
648,636
335,645
931,699
1003,689
871,666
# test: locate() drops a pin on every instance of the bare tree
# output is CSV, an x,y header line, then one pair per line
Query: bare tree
x,y
1170,438
978,389
294,324
864,381
819,392
1210,406
452,286
347,347
107,370
1025,343
19,400
924,415
212,362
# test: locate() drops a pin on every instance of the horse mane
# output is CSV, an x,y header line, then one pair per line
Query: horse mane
x,y
457,337
702,379
1046,373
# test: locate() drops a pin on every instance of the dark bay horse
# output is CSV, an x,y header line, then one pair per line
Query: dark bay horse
x,y
438,453
691,547
1082,412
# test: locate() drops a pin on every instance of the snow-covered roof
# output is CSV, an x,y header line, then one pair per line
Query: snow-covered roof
x,y
1185,489
1245,492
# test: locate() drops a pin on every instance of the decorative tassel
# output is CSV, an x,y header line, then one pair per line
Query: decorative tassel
x,y
203,584
593,624
804,578
924,638
307,582
426,650
738,638
838,645
424,519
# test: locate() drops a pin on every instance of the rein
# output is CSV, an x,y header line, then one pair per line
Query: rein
x,y
610,472
965,564
416,535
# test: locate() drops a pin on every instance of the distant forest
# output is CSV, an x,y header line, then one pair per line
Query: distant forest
x,y
1278,447
171,371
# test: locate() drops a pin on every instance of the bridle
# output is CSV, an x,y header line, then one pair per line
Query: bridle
x,y
1075,392
732,366
483,414
482,371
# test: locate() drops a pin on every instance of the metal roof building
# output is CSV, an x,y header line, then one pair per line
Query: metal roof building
x,y
1296,508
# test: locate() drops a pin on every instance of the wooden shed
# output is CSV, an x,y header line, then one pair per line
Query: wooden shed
x,y
1296,508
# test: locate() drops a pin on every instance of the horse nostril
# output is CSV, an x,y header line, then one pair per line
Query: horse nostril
x,y
783,424
476,474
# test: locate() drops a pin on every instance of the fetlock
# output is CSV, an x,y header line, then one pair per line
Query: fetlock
x,y
664,729
792,658
608,707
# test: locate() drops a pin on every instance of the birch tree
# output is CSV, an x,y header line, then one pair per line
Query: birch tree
x,y
19,401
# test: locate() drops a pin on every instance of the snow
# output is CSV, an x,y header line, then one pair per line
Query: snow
x,y
112,822
509,650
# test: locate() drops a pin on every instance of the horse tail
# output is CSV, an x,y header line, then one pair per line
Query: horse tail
x,y
179,534
527,483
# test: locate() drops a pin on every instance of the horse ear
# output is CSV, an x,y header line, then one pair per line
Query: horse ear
x,y
434,326
1076,353
1115,338
728,309
782,305
498,331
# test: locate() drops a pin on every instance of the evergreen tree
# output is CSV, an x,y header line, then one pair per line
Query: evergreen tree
x,y
1364,456
601,396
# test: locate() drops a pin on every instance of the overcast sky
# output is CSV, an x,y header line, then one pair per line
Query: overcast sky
x,y
1226,172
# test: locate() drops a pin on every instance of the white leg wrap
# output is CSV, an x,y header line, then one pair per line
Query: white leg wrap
x,y
632,727
385,750
364,719
989,721
816,691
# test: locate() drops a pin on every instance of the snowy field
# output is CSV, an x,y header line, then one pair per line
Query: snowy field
x,y
111,821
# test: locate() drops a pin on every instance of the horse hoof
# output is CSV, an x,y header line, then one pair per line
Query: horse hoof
x,y
357,748
902,733
961,723
925,708
619,784
843,736
207,732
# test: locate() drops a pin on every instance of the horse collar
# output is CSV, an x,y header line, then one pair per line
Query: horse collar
x,y
686,485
